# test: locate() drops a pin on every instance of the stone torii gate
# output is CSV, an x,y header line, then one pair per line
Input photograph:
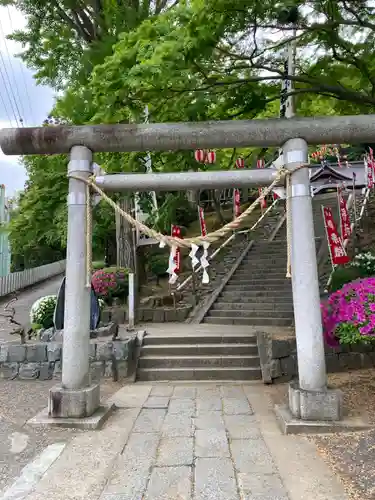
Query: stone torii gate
x,y
77,397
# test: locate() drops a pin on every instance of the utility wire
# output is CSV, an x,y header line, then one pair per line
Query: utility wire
x,y
10,90
22,114
6,109
21,64
8,94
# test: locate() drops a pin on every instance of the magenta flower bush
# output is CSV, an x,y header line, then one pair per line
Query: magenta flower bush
x,y
110,282
349,314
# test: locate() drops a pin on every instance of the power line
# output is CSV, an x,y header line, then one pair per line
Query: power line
x,y
23,72
9,91
6,109
9,97
22,116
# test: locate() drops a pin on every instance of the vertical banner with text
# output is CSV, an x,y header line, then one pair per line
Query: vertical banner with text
x,y
176,232
202,222
344,216
336,249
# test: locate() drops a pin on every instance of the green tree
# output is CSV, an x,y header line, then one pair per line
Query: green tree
x,y
65,39
218,52
38,224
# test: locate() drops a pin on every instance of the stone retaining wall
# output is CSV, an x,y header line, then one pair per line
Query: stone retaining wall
x,y
43,361
119,315
278,358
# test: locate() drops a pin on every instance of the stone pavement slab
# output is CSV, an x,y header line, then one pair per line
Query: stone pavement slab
x,y
170,482
215,479
185,452
175,451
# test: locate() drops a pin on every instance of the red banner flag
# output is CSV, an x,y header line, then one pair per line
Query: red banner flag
x,y
202,222
344,216
236,202
336,248
176,232
370,174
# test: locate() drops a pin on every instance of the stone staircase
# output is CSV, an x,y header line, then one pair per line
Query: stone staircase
x,y
199,352
258,293
205,352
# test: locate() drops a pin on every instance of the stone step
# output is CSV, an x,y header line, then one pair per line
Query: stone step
x,y
251,274
181,361
258,288
200,349
236,338
249,313
261,259
249,280
255,296
268,249
235,320
270,307
257,267
228,373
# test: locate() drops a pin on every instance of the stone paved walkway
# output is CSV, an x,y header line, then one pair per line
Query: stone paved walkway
x,y
196,441
188,442
200,442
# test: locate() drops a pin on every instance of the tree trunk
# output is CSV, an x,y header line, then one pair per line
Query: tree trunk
x,y
217,206
193,198
124,237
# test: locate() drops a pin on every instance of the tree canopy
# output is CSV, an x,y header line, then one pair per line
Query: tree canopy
x,y
188,61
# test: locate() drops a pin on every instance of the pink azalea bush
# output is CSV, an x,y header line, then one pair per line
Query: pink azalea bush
x,y
349,314
110,282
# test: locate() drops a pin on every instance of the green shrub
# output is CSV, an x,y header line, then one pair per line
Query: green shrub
x,y
365,263
158,265
41,312
343,275
175,210
98,264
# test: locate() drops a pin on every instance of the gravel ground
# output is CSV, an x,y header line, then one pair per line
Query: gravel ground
x,y
20,443
350,455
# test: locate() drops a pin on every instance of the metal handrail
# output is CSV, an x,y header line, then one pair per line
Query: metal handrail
x,y
226,242
352,226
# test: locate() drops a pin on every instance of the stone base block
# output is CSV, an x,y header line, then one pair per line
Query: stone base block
x,y
78,403
94,422
323,405
290,425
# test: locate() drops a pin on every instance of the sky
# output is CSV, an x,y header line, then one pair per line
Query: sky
x,y
19,90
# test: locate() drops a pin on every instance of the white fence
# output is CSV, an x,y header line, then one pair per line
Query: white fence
x,y
22,279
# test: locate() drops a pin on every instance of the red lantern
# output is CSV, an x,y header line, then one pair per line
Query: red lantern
x,y
200,155
240,163
211,157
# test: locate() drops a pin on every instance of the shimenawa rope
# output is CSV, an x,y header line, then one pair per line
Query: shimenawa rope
x,y
196,241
